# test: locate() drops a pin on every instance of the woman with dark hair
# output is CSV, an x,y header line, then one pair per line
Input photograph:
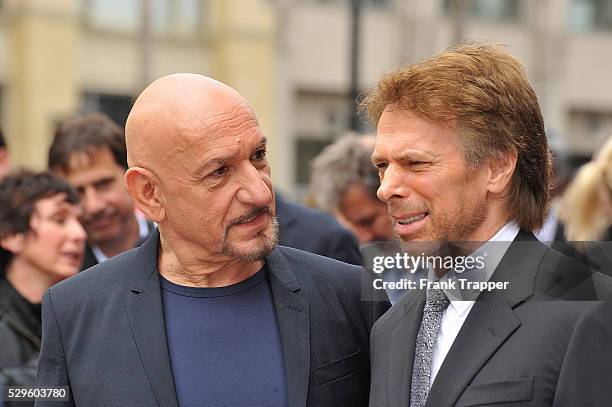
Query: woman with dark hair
x,y
41,243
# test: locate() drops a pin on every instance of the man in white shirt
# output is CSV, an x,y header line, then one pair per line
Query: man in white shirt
x,y
462,156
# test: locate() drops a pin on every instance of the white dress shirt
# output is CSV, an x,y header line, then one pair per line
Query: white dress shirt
x,y
457,311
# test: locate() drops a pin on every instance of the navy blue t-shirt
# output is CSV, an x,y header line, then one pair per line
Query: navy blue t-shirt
x,y
224,343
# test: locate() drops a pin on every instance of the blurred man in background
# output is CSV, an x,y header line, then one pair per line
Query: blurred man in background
x,y
316,232
344,182
89,152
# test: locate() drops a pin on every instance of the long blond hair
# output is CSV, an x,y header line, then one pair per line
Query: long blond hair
x,y
586,208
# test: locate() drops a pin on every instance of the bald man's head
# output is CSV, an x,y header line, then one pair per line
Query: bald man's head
x,y
171,108
198,164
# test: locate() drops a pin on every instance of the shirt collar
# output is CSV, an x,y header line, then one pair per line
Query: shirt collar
x,y
494,250
461,307
143,225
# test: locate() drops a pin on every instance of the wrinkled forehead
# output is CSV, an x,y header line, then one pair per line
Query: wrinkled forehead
x,y
206,128
194,139
169,127
231,119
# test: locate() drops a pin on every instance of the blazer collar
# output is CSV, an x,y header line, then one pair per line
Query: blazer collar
x,y
146,316
293,314
519,266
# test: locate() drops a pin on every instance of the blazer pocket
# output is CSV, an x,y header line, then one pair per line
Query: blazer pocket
x,y
338,369
498,392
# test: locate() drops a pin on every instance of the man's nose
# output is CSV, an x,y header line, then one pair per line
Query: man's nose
x,y
392,185
255,188
91,201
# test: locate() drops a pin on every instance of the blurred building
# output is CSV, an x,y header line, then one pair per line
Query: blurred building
x,y
58,57
290,58
566,46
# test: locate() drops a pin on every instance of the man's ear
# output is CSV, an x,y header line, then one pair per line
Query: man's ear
x,y
500,171
13,243
141,185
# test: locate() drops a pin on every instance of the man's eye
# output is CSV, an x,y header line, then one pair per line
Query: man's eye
x,y
381,166
219,172
60,220
259,155
103,184
365,222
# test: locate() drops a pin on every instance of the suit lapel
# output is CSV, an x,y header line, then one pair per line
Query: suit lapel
x,y
490,321
403,339
488,325
292,312
146,316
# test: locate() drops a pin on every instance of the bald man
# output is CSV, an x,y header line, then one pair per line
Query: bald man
x,y
209,311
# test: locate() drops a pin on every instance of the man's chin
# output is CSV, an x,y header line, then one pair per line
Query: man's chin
x,y
249,252
256,248
418,244
103,235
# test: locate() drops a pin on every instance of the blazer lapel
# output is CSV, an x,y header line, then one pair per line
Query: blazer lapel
x,y
292,312
490,321
146,316
488,325
401,358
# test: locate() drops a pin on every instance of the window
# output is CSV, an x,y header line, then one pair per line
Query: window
x,y
306,149
364,3
589,128
112,15
117,107
320,118
492,10
176,18
586,15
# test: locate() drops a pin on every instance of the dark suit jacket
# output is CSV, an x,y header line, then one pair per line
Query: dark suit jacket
x,y
104,334
521,346
315,232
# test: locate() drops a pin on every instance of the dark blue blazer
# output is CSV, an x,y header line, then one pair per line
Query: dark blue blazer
x,y
104,333
315,232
